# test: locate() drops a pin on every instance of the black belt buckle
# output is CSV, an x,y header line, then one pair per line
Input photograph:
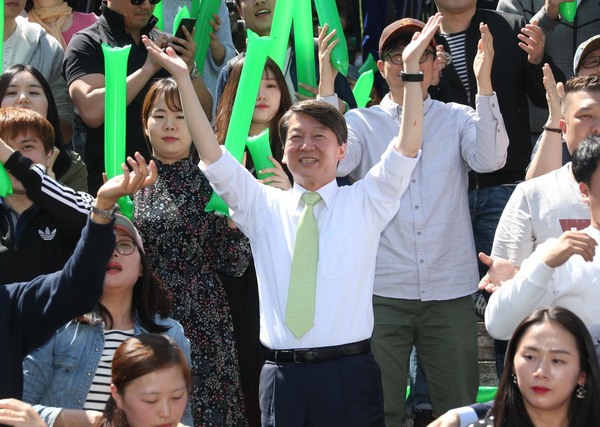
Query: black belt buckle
x,y
305,356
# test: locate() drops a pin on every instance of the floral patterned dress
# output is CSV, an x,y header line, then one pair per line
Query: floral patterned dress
x,y
186,248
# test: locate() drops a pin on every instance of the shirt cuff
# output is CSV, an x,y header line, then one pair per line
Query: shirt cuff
x,y
467,415
331,100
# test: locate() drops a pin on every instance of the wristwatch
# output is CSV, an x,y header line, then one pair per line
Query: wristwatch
x,y
194,74
406,77
108,214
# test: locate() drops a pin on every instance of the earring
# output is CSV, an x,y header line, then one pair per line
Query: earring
x,y
514,379
580,391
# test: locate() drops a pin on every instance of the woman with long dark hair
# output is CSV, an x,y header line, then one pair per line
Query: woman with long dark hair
x,y
68,378
550,377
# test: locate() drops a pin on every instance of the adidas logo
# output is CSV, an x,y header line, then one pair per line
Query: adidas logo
x,y
47,234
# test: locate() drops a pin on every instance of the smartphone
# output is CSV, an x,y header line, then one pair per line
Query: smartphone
x,y
187,23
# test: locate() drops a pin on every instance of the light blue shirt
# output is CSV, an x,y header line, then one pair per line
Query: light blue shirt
x,y
427,251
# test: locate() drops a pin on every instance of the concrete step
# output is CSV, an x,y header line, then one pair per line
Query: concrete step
x,y
487,364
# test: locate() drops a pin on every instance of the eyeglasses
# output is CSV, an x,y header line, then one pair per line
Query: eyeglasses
x,y
125,247
591,62
396,57
140,2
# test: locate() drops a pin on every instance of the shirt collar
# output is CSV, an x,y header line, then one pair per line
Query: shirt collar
x,y
328,192
395,110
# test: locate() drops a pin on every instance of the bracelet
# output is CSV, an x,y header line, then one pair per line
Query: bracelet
x,y
108,214
194,74
556,130
406,77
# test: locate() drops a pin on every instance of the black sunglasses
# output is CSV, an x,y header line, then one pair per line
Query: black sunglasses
x,y
139,2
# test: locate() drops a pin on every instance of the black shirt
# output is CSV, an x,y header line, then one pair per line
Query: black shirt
x,y
84,56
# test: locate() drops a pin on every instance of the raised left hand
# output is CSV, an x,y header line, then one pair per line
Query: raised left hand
x,y
327,72
420,40
167,58
482,65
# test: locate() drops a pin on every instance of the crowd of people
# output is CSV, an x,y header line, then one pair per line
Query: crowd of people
x,y
354,265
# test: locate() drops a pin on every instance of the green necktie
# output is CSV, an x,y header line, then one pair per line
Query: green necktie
x,y
300,312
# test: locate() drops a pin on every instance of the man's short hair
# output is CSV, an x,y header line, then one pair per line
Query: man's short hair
x,y
579,84
15,122
585,159
322,112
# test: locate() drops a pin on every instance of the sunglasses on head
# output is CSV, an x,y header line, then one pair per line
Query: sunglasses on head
x,y
139,2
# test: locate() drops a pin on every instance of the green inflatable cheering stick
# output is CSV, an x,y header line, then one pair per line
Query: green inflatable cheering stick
x,y
5,185
115,104
243,106
203,29
568,10
328,14
280,31
362,88
260,150
304,43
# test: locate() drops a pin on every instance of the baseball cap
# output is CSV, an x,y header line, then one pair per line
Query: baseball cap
x,y
583,51
123,223
403,26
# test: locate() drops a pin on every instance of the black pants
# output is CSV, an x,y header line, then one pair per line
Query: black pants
x,y
344,392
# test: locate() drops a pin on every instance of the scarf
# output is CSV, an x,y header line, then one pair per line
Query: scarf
x,y
52,19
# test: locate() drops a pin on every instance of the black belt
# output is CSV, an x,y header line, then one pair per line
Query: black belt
x,y
494,179
320,354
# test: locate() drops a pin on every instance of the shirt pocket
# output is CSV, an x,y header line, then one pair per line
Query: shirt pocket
x,y
64,362
339,246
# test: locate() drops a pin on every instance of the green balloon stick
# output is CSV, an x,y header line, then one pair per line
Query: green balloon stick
x,y
183,13
568,10
260,150
328,14
159,14
5,185
304,43
280,31
195,9
115,104
243,106
485,394
203,30
362,88
369,64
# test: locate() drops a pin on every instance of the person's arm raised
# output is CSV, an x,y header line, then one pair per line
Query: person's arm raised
x,y
411,127
200,129
88,92
482,66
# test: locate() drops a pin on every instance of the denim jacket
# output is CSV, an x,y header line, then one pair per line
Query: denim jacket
x,y
59,374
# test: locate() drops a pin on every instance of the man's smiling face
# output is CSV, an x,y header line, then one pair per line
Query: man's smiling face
x,y
258,15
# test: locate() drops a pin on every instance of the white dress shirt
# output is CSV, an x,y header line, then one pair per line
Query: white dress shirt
x,y
574,285
350,220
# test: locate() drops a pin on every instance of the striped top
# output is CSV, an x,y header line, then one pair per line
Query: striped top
x,y
100,389
456,43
